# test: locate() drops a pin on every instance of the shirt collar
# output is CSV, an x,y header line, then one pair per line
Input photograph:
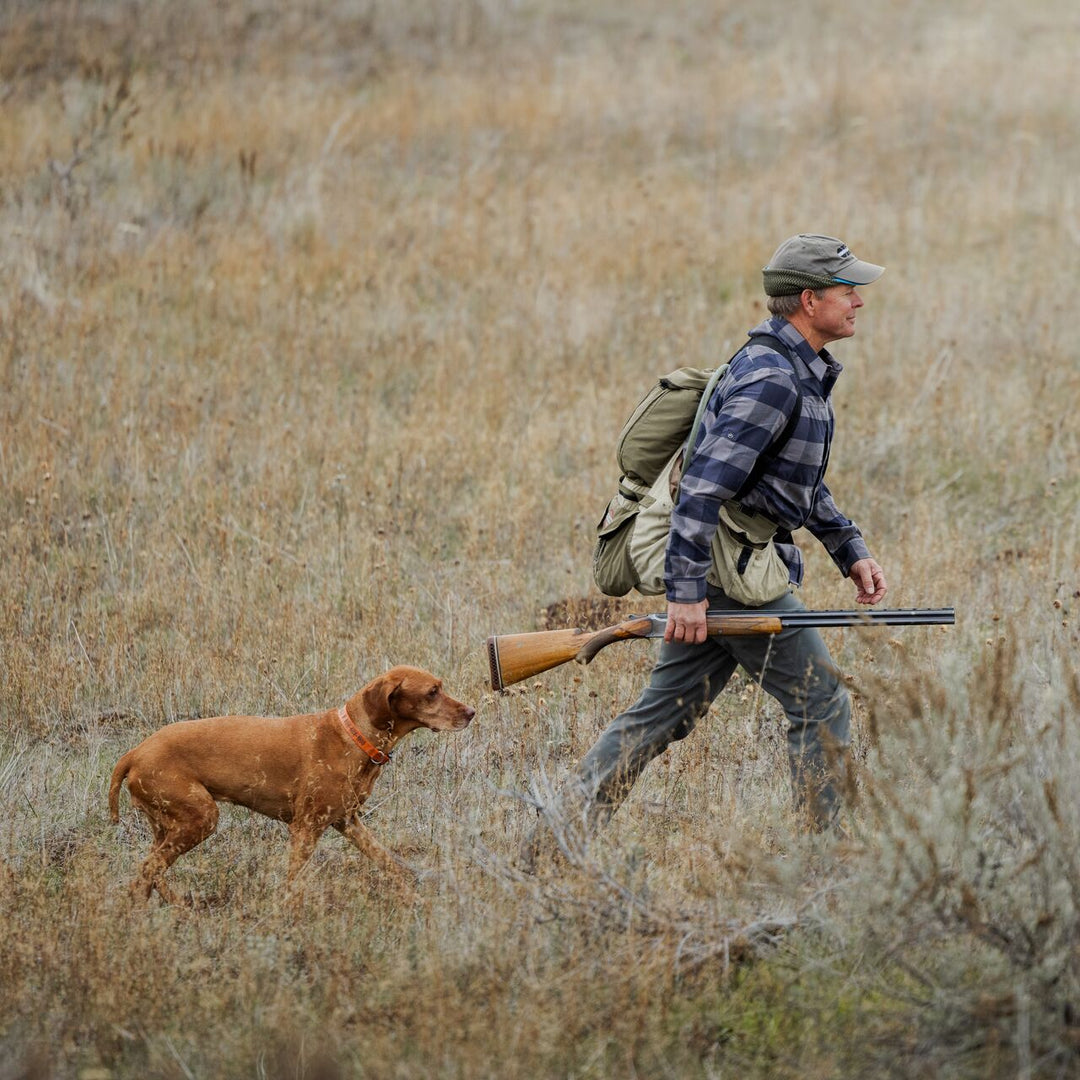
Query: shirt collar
x,y
823,365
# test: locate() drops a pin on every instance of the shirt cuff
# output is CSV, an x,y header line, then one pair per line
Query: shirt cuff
x,y
847,555
685,590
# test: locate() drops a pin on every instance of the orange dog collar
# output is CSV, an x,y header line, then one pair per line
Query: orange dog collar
x,y
379,757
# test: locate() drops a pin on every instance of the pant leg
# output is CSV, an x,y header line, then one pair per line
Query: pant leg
x,y
796,669
682,685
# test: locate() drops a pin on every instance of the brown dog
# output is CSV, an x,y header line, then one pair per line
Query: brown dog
x,y
312,771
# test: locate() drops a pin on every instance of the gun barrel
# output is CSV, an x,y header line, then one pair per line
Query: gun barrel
x,y
896,617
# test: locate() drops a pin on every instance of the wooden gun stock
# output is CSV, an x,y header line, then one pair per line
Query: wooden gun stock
x,y
513,657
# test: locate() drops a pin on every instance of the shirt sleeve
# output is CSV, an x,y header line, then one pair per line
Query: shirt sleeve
x,y
839,535
754,410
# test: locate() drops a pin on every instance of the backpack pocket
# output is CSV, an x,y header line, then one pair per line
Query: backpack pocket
x,y
631,540
613,569
745,563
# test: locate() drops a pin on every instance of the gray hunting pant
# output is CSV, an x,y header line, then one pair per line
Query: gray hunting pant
x,y
793,666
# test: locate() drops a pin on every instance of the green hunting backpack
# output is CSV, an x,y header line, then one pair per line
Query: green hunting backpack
x,y
653,452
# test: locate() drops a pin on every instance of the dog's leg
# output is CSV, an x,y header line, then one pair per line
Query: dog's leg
x,y
178,827
142,884
361,838
152,876
303,836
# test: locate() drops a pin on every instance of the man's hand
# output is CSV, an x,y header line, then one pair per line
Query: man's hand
x,y
869,580
686,622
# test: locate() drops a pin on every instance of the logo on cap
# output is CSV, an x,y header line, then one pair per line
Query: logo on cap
x,y
843,251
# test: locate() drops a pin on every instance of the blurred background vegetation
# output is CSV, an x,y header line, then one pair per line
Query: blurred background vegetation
x,y
317,323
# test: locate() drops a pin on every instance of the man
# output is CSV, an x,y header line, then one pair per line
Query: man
x,y
813,287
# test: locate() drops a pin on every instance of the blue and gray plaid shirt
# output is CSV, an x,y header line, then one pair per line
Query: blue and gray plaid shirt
x,y
747,412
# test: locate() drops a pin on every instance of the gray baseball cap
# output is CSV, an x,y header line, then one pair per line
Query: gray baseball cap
x,y
809,261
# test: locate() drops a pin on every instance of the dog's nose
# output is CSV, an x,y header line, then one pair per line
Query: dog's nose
x,y
470,712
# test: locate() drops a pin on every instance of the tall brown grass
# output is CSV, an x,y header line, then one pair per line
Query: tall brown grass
x,y
316,325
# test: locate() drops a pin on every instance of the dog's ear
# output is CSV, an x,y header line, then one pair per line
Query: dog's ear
x,y
378,700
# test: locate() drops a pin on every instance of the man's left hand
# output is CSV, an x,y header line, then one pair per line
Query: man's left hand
x,y
869,580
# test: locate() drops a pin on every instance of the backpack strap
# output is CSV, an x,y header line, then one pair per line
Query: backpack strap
x,y
707,393
769,454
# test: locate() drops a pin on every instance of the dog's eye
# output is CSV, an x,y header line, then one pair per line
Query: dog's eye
x,y
433,691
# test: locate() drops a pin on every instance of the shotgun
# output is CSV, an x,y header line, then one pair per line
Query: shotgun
x,y
514,657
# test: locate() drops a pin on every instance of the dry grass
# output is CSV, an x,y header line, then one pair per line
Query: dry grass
x,y
316,325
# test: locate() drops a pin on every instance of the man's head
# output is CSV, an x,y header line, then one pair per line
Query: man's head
x,y
811,281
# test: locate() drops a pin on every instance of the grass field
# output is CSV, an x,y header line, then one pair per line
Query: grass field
x,y
317,323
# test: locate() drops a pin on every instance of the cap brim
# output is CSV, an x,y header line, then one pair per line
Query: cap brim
x,y
859,273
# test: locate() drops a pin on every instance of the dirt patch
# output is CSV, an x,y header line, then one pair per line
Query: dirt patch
x,y
594,612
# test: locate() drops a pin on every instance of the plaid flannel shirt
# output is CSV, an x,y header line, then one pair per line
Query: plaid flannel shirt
x,y
746,413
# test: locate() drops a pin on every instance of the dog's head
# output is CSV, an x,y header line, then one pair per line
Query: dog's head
x,y
407,697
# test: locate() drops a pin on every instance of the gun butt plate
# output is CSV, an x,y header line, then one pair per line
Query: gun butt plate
x,y
494,665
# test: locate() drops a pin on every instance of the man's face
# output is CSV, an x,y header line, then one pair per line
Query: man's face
x,y
833,316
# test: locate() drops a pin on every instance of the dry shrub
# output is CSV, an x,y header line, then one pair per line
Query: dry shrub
x,y
970,885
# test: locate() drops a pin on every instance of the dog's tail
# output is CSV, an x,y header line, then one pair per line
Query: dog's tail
x,y
118,777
